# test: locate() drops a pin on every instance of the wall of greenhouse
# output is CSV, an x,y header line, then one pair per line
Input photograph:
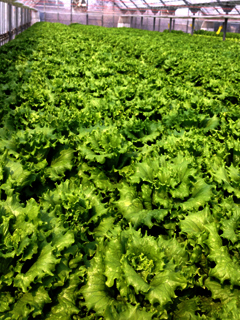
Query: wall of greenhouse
x,y
107,15
13,20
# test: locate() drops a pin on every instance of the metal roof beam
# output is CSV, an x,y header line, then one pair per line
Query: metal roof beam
x,y
146,4
210,17
191,6
134,3
163,3
187,5
124,3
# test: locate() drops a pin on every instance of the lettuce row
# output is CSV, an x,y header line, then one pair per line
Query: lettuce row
x,y
134,272
119,175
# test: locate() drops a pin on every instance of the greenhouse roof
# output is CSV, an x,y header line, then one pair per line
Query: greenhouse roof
x,y
202,7
206,7
22,3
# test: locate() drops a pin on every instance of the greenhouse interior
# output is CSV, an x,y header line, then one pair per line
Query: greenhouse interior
x,y
119,160
187,16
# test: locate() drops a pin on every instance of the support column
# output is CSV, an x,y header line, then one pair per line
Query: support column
x,y
113,7
193,23
131,21
58,11
1,22
141,22
170,25
10,21
159,24
71,12
87,19
154,23
44,10
16,16
225,28
22,19
102,13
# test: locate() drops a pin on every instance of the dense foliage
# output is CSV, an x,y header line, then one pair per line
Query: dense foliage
x,y
229,35
119,175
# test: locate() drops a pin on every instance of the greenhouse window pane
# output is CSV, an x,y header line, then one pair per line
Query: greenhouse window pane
x,y
200,1
220,10
138,3
175,3
121,5
154,2
236,10
131,4
232,1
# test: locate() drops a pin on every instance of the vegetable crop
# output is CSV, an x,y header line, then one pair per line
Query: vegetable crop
x,y
119,175
229,35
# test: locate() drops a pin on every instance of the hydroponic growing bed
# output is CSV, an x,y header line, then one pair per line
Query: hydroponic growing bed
x,y
119,175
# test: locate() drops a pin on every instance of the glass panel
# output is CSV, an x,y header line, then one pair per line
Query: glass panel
x,y
141,4
201,1
236,10
155,3
174,3
99,5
